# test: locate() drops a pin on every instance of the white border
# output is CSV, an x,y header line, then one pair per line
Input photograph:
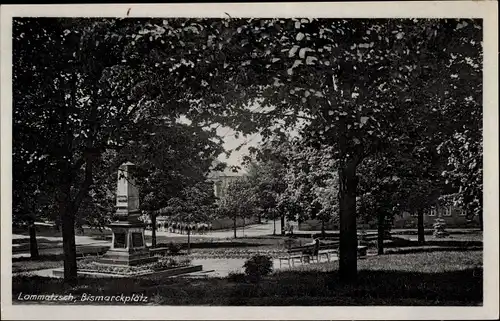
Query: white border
x,y
488,10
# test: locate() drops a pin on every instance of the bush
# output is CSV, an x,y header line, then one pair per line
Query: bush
x,y
236,277
173,248
258,266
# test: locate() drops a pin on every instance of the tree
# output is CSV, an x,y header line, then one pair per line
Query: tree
x,y
312,188
295,181
352,80
176,157
462,143
100,92
55,98
380,196
238,201
265,178
32,202
346,84
195,204
330,73
405,177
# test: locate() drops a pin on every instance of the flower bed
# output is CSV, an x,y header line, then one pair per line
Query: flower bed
x,y
164,263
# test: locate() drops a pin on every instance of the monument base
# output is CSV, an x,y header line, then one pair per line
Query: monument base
x,y
125,258
128,245
176,271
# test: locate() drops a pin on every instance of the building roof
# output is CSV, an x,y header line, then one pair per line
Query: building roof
x,y
227,172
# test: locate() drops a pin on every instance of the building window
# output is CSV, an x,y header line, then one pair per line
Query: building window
x,y
447,211
463,212
432,212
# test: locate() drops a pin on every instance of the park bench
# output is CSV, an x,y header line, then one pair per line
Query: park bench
x,y
297,253
293,254
325,251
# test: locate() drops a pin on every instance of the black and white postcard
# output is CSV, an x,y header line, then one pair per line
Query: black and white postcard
x,y
250,161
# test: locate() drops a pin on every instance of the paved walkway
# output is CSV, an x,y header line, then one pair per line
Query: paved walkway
x,y
89,241
211,267
222,267
83,241
248,231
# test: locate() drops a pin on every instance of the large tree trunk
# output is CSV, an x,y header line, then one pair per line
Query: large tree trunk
x,y
420,226
380,232
69,246
33,243
323,232
153,230
67,211
68,206
348,247
189,241
274,225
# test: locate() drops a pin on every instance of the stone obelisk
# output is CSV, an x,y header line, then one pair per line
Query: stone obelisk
x,y
128,244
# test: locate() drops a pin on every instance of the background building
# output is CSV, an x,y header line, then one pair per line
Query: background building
x,y
222,179
453,216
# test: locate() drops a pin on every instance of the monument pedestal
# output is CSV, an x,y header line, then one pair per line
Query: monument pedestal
x,y
128,245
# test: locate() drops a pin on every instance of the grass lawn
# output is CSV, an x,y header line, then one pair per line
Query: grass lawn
x,y
426,262
26,264
451,278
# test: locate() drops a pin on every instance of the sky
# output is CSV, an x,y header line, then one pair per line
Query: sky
x,y
231,142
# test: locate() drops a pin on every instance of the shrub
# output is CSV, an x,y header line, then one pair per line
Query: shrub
x,y
236,277
258,266
173,248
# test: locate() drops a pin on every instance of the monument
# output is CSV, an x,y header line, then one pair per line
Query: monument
x,y
128,255
128,245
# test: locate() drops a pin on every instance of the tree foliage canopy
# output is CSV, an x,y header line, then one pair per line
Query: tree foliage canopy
x,y
356,91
